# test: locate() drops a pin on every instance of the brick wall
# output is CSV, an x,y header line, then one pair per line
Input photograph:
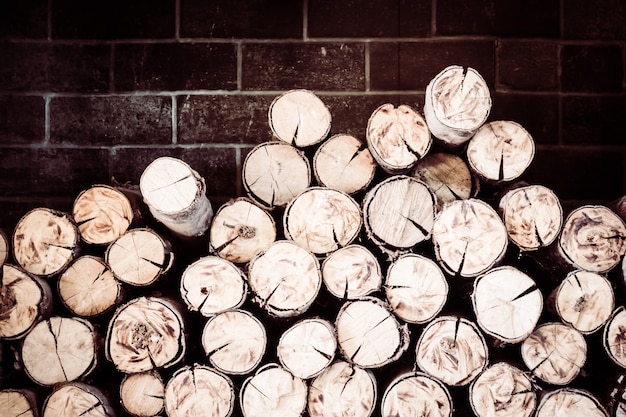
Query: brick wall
x,y
91,90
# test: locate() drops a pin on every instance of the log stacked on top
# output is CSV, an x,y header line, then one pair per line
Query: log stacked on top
x,y
411,272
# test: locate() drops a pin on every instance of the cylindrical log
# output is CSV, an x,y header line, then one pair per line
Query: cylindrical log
x,y
18,403
143,394
212,284
77,399
4,248
416,394
344,163
368,333
457,103
570,402
452,349
555,353
341,390
45,241
234,342
619,207
469,238
240,230
397,137
299,118
351,272
614,336
144,334
88,288
416,288
199,391
275,172
322,220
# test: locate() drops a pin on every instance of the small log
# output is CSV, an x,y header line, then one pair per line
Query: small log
x,y
197,390
570,402
18,403
351,272
143,394
139,257
273,391
4,248
500,151
176,196
88,288
416,288
503,390
59,349
24,300
45,241
416,394
452,349
322,220
77,399
299,118
469,238
144,334
285,279
555,353
212,284
457,103
275,172
344,163
397,137
102,214
307,347
507,304
368,333
614,337
234,342
619,207
240,230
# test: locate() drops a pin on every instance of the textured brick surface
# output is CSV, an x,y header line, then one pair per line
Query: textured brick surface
x,y
594,120
528,18
24,19
22,119
528,65
592,68
600,19
538,114
460,17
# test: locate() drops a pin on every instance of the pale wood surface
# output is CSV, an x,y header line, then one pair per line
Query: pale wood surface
x,y
18,403
614,336
299,118
4,248
77,399
143,394
306,348
351,272
570,402
414,392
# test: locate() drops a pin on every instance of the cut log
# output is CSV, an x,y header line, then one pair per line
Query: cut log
x,y
500,151
212,284
102,214
24,300
322,220
139,257
469,238
532,215
416,288
352,272
299,118
18,403
399,213
143,394
507,304
176,196
570,402
457,103
344,163
4,248
234,342
240,230
273,391
144,334
397,137
285,279
342,389
199,391
275,172
45,241
452,349
555,353
619,207
88,288
416,394
614,336
77,399
59,349
307,347
368,333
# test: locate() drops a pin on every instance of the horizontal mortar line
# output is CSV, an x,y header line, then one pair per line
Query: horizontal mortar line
x,y
169,145
210,93
581,147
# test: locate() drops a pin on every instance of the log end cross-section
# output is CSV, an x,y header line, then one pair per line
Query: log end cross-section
x,y
416,393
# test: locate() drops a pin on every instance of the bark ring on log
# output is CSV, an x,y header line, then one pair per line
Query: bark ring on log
x,y
143,394
77,399
18,403
570,402
416,393
614,337
351,272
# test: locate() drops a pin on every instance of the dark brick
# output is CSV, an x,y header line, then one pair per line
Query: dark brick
x,y
113,19
24,19
412,65
323,66
601,19
538,114
379,18
591,68
111,120
594,120
54,67
176,66
22,119
461,17
14,208
241,19
532,66
528,18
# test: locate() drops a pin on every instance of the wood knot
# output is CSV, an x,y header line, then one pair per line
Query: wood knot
x,y
141,336
580,303
246,232
7,300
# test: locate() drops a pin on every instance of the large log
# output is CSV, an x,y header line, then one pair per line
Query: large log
x,y
77,399
18,403
570,402
416,394
614,337
352,272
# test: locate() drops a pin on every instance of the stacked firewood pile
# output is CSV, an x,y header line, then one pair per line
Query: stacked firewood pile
x,y
411,274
